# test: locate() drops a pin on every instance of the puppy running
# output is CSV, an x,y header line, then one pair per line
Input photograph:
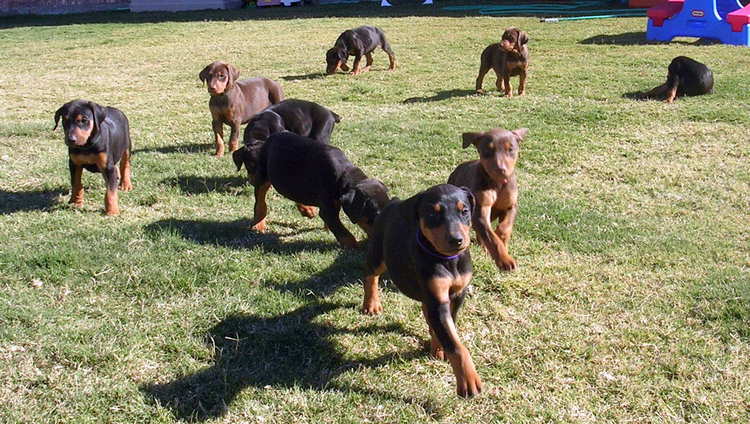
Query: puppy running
x,y
492,180
312,173
98,139
234,102
508,58
423,242
358,41
301,117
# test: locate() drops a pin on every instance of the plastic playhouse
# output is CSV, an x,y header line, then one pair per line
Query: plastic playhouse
x,y
725,20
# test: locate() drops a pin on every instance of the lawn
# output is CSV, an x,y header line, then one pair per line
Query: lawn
x,y
632,298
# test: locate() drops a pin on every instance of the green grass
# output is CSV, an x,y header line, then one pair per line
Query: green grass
x,y
631,304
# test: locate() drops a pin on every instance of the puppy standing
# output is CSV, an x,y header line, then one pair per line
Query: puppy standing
x,y
358,41
423,242
98,138
234,102
492,179
685,77
509,57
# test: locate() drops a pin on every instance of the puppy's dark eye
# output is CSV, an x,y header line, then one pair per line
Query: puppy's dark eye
x,y
465,211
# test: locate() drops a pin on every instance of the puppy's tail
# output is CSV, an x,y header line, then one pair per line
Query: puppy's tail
x,y
336,117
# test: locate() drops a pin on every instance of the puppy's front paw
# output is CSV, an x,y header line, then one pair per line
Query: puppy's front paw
x,y
307,211
113,211
507,263
469,384
258,226
126,185
372,307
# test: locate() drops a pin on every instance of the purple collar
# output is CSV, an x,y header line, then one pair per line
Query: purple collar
x,y
432,252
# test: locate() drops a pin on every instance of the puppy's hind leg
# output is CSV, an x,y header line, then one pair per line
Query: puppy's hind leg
x,y
480,78
260,210
125,182
391,56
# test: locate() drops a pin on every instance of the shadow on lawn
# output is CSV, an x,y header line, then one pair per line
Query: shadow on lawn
x,y
442,95
291,350
314,75
193,184
639,38
180,148
22,201
235,234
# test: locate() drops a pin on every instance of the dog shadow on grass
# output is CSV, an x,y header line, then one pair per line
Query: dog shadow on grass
x,y
179,148
193,184
24,201
236,234
314,75
639,38
442,95
292,350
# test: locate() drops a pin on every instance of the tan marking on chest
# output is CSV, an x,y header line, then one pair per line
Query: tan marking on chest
x,y
442,287
98,159
505,199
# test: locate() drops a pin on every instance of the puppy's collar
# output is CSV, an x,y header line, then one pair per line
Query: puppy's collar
x,y
432,252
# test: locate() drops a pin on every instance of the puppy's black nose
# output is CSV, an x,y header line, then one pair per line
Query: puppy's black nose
x,y
456,241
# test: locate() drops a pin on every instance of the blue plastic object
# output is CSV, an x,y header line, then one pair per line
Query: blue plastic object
x,y
699,18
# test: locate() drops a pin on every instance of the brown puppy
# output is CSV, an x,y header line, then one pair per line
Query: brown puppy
x,y
492,179
509,57
235,102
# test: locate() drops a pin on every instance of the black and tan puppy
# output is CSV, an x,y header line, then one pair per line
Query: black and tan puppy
x,y
492,179
301,117
360,41
508,58
234,102
423,242
685,77
313,173
98,139
298,116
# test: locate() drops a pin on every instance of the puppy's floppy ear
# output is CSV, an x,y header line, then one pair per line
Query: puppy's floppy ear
x,y
203,75
523,38
470,138
520,133
276,123
470,197
99,114
353,202
238,157
60,112
234,74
